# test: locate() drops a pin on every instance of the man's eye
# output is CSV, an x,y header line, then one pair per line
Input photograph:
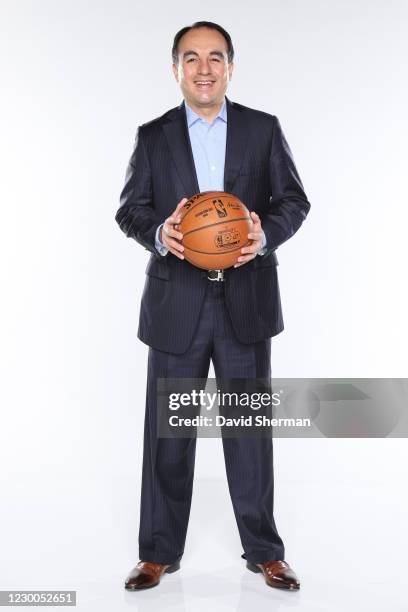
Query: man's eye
x,y
215,59
192,59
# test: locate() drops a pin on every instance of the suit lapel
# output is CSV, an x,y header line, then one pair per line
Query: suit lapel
x,y
237,138
176,132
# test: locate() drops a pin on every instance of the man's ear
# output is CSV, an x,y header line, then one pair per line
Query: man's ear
x,y
230,70
175,71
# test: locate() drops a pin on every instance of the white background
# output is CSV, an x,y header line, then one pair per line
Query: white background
x,y
77,79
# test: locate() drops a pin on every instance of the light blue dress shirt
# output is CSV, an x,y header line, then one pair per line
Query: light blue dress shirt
x,y
208,142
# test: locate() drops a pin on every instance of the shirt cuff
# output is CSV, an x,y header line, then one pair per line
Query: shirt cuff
x,y
158,244
263,246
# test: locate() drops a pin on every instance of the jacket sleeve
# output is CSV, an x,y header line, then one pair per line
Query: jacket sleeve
x,y
288,205
136,216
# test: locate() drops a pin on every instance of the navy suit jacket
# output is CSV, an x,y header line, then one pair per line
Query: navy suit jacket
x,y
260,170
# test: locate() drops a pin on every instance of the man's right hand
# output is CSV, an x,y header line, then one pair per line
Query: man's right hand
x,y
169,236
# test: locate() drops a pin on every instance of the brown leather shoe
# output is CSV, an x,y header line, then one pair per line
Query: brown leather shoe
x,y
146,574
277,574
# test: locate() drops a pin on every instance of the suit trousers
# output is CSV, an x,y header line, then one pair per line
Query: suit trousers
x,y
168,463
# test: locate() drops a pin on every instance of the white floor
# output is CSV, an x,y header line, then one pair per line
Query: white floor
x,y
346,541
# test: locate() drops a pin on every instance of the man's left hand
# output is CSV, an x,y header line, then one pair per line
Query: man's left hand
x,y
250,252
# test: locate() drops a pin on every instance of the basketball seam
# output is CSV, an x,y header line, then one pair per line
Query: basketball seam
x,y
198,229
223,253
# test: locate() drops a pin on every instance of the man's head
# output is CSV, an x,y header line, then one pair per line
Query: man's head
x,y
203,63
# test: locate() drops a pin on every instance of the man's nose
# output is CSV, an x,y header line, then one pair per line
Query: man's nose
x,y
204,67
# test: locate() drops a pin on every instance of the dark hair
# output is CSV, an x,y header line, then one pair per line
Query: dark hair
x,y
202,24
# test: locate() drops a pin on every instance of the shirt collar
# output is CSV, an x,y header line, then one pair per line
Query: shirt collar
x,y
192,116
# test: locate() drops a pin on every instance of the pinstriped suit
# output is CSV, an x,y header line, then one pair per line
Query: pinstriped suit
x,y
259,169
187,320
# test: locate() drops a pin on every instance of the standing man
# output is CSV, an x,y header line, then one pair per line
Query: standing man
x,y
188,316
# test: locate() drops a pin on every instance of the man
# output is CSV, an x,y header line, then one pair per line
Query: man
x,y
188,316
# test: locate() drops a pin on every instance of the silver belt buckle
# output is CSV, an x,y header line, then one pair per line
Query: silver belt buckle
x,y
215,275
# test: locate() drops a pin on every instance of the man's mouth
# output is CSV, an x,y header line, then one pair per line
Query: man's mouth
x,y
204,84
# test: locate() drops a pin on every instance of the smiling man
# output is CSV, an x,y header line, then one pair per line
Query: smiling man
x,y
188,316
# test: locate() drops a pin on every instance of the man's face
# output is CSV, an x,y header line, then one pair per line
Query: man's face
x,y
203,71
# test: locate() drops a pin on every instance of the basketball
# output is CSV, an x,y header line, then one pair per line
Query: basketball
x,y
215,226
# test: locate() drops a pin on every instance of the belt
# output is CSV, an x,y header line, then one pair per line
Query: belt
x,y
215,275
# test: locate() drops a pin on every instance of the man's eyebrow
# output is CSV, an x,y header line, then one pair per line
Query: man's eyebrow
x,y
191,52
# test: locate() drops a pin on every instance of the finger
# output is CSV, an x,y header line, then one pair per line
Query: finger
x,y
173,244
255,235
256,220
243,260
176,253
172,220
175,216
172,233
251,249
179,206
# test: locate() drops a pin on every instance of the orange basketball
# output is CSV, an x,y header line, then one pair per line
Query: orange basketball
x,y
215,226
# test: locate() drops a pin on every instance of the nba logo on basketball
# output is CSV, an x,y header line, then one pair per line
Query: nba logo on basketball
x,y
220,208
